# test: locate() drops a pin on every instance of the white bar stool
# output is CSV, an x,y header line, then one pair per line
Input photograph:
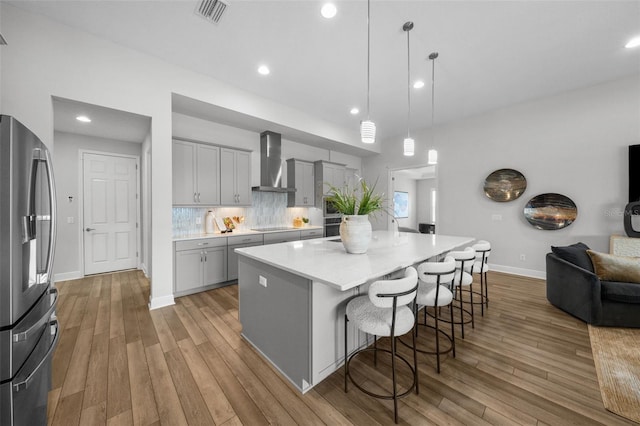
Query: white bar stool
x,y
480,266
433,293
385,312
463,280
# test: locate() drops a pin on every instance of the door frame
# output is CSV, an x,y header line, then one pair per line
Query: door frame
x,y
390,189
81,153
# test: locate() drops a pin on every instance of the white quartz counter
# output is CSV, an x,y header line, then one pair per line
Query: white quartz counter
x,y
325,260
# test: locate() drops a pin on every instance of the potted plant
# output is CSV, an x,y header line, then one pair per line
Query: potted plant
x,y
355,205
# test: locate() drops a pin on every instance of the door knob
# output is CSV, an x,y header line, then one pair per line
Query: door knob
x,y
90,229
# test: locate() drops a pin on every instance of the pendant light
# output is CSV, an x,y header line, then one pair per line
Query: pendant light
x,y
409,143
433,154
368,127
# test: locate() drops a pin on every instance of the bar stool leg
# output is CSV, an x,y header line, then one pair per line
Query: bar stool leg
x,y
346,364
393,378
486,289
435,316
375,352
461,311
415,362
471,303
453,331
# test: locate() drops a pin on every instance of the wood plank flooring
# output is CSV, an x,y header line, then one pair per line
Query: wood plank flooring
x,y
117,363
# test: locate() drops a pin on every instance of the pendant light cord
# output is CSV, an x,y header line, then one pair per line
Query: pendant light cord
x,y
433,57
368,55
408,84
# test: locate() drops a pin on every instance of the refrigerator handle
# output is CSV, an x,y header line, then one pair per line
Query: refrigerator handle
x,y
25,383
19,337
54,216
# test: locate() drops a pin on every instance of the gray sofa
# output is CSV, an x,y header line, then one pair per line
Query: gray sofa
x,y
580,292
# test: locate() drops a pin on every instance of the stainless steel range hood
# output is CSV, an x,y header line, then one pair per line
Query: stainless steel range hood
x,y
271,163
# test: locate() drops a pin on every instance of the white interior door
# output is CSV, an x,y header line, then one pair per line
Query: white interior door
x,y
110,213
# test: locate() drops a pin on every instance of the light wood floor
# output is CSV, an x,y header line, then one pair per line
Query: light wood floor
x,y
525,362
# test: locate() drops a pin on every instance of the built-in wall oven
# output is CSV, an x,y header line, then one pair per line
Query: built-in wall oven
x,y
332,225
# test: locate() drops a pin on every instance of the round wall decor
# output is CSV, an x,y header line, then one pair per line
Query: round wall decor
x,y
505,185
550,211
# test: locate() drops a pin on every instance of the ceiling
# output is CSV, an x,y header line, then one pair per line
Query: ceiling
x,y
105,122
492,53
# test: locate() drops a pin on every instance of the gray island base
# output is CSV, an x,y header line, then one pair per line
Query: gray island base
x,y
292,296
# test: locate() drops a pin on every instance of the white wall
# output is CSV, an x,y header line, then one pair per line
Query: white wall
x,y
573,144
45,59
67,169
423,199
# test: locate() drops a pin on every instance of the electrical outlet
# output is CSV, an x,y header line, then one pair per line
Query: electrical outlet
x,y
70,219
262,281
496,217
523,257
198,221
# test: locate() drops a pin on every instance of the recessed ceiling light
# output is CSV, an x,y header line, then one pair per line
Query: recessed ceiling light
x,y
419,84
264,70
329,10
354,111
83,118
634,42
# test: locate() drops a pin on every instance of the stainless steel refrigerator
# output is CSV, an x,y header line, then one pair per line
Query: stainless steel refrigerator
x,y
28,327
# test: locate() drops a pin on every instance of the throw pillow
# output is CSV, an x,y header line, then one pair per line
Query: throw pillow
x,y
576,254
609,267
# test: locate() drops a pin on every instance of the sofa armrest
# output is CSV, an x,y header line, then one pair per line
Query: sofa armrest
x,y
573,289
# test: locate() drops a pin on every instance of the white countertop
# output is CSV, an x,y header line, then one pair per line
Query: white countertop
x,y
327,261
238,232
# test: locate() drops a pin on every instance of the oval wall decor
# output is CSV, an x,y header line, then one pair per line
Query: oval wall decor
x,y
505,185
550,211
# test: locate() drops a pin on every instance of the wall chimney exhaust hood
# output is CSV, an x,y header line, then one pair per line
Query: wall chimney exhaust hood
x,y
271,163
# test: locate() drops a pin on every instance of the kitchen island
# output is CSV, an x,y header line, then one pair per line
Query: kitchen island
x,y
292,296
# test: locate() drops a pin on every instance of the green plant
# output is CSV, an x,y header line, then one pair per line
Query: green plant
x,y
305,220
356,201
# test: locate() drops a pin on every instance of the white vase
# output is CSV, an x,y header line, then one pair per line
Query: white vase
x,y
355,232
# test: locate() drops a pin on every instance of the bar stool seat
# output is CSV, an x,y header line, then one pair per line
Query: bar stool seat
x,y
385,311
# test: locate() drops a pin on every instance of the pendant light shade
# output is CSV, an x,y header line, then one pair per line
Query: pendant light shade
x,y
368,131
409,143
432,156
368,127
409,146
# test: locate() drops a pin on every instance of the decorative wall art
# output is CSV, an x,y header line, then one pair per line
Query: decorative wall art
x,y
550,211
505,185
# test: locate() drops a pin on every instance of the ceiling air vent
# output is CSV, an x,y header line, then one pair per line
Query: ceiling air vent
x,y
212,10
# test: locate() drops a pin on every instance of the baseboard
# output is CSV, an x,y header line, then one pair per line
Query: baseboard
x,y
161,302
518,271
66,276
143,267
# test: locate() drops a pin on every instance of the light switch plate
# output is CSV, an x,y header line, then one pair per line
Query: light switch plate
x,y
496,217
262,281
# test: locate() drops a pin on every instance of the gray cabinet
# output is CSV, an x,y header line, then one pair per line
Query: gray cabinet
x,y
199,264
300,175
326,174
232,257
281,237
196,174
235,177
307,234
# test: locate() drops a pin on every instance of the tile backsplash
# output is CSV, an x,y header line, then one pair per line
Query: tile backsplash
x,y
268,209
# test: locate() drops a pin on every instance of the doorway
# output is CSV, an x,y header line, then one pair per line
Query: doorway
x,y
417,188
110,212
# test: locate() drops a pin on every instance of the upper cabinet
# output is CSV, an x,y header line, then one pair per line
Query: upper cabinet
x,y
196,174
300,175
235,177
327,173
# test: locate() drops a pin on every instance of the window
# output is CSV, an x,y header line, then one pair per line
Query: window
x,y
400,204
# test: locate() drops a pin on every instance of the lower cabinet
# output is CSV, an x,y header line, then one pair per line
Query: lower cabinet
x,y
232,257
199,264
308,234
